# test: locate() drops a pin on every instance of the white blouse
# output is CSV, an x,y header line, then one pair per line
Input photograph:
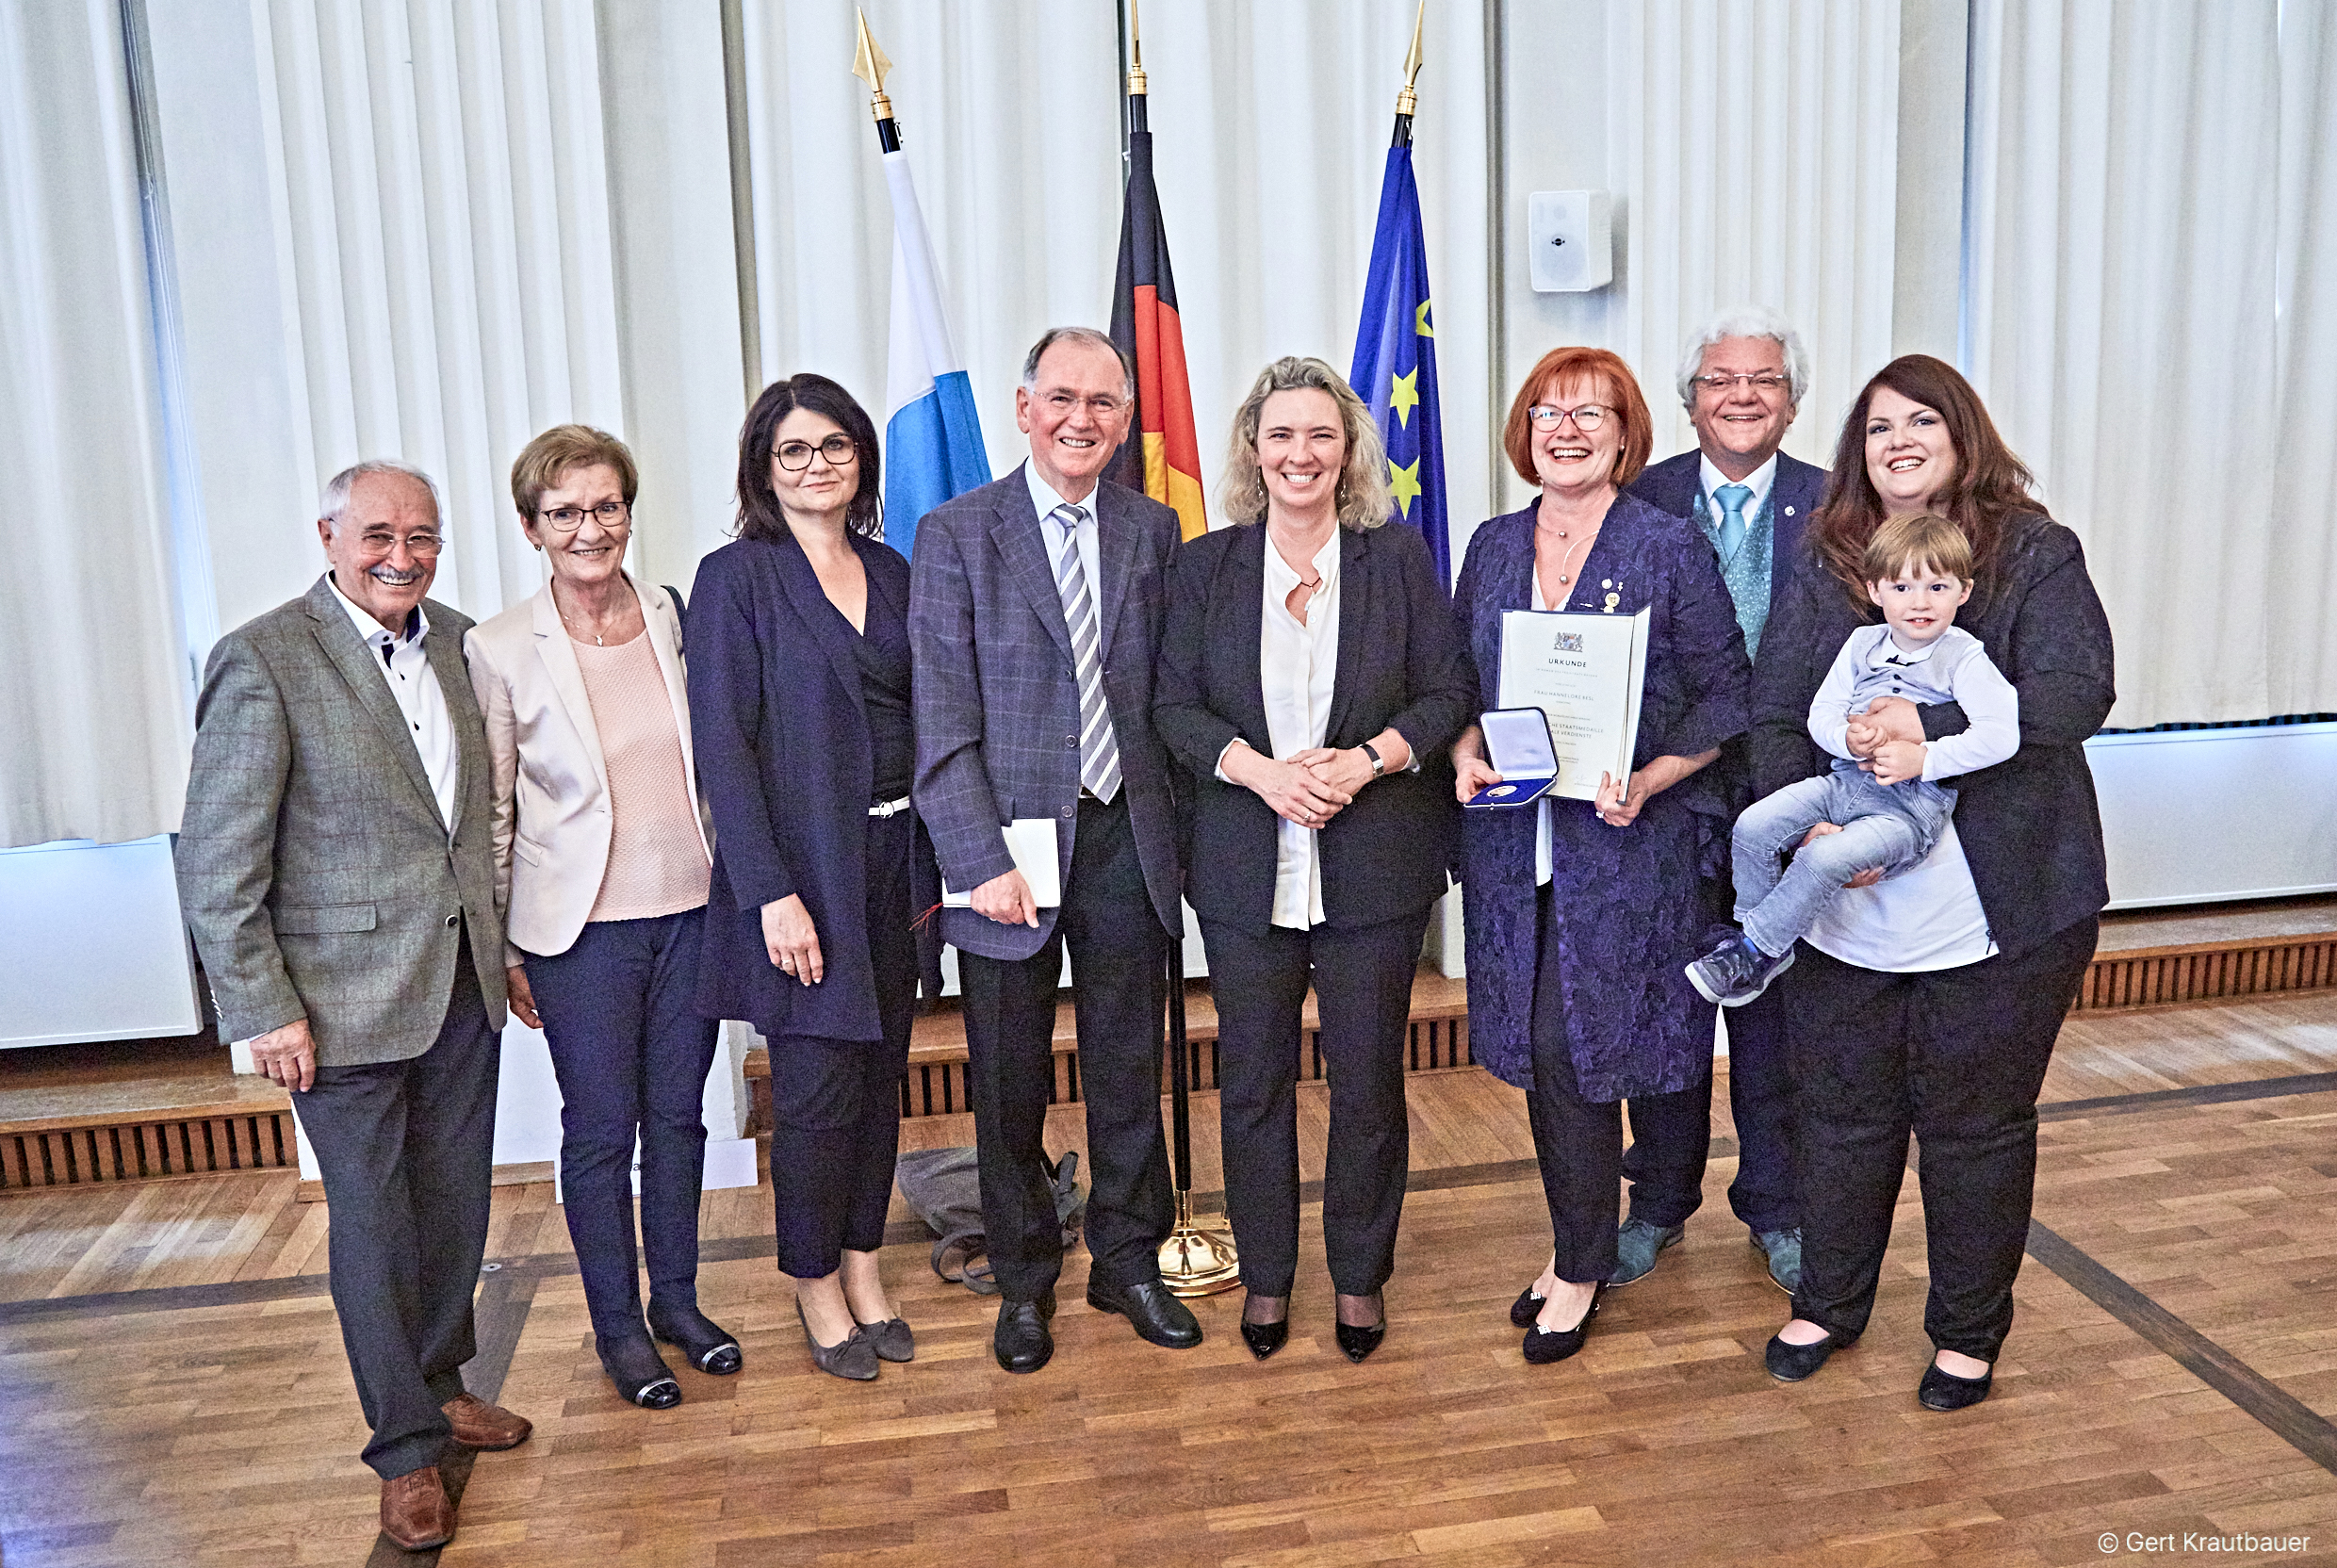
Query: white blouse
x,y
1298,666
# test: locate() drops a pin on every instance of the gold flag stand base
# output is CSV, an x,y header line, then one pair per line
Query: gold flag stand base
x,y
1198,1258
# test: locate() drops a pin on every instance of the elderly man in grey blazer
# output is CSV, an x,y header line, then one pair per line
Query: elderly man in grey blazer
x,y
336,866
1034,617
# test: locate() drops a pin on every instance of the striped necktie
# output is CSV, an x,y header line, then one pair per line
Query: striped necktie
x,y
1099,749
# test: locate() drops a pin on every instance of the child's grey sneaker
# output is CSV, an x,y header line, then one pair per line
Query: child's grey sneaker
x,y
1732,976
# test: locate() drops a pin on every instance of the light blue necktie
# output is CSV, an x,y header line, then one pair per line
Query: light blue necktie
x,y
1732,498
1099,748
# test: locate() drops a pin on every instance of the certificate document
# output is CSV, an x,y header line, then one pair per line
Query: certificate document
x,y
1585,672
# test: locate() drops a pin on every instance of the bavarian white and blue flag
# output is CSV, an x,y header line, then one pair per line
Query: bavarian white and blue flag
x,y
933,439
1396,361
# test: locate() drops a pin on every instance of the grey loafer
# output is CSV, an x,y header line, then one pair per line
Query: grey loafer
x,y
1636,1246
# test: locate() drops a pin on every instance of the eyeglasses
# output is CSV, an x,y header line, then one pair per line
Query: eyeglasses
x,y
1767,382
796,456
567,519
1586,419
380,542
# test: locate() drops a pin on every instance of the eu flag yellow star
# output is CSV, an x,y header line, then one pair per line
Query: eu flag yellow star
x,y
1404,484
1420,322
1404,396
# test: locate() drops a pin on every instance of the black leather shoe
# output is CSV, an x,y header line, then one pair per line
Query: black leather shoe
x,y
1544,1345
1356,1341
1263,1339
639,1373
1790,1364
708,1345
1946,1391
1020,1340
1159,1317
1526,1308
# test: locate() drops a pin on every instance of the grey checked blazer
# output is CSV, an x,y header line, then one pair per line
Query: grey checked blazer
x,y
313,865
997,703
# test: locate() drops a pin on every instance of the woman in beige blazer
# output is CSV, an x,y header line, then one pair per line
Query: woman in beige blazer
x,y
603,852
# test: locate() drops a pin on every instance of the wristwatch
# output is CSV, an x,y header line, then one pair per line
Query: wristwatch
x,y
1379,763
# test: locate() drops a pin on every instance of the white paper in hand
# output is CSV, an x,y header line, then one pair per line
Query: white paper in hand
x,y
1032,843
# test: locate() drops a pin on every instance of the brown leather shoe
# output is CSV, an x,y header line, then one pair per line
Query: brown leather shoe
x,y
415,1511
479,1425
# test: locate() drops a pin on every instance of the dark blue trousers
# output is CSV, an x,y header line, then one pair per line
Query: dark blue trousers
x,y
631,1056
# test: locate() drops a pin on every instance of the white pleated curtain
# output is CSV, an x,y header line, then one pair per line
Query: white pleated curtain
x,y
441,203
1270,129
1757,144
94,717
2151,310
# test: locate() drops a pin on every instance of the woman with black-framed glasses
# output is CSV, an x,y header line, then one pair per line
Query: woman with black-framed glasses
x,y
601,850
800,684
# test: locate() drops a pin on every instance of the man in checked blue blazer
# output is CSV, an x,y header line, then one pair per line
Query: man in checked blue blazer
x,y
1035,619
1742,381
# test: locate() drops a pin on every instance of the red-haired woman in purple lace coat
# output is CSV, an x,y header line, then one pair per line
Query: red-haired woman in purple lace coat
x,y
1581,914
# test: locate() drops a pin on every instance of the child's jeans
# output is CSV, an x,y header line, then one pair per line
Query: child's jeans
x,y
1888,826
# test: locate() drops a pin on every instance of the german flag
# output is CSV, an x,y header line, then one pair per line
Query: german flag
x,y
1162,454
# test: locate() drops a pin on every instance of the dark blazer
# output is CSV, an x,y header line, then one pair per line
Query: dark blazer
x,y
997,698
2029,827
1401,662
1671,484
314,868
784,757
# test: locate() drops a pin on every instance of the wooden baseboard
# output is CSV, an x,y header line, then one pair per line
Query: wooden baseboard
x,y
2208,972
146,1151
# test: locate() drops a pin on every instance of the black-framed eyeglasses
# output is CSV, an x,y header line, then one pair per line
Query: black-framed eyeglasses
x,y
1586,419
1767,382
567,519
796,456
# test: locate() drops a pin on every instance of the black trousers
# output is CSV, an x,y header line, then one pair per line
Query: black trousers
x,y
1120,959
632,1055
1362,986
407,1151
1954,1056
1578,1142
836,1104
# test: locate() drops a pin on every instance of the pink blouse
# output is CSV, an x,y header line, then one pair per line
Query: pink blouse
x,y
657,861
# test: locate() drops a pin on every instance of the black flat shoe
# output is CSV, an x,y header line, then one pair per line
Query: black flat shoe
x,y
1526,1308
709,1346
1356,1341
639,1372
1544,1345
1021,1341
1158,1316
1790,1364
1263,1339
1946,1391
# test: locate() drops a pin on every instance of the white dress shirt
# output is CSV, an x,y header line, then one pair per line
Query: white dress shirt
x,y
405,668
1298,668
1051,530
1759,482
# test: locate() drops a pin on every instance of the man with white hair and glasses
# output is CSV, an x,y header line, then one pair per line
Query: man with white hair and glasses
x,y
337,869
1740,379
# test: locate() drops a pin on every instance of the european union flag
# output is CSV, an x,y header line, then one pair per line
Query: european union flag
x,y
1395,360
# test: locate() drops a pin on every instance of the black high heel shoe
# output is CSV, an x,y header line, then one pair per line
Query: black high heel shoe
x,y
1359,1340
1263,1339
1544,1345
638,1371
1526,1308
706,1342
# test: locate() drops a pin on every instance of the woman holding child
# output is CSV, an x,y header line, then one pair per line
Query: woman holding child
x,y
1582,913
1928,1002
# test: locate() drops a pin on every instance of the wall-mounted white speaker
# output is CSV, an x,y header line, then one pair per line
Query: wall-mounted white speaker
x,y
1571,236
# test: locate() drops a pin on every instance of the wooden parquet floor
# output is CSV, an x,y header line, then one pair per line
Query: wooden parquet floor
x,y
172,1389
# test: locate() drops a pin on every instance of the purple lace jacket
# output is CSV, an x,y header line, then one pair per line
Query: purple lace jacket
x,y
1635,904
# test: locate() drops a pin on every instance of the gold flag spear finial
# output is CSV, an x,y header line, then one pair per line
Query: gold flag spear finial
x,y
1136,52
870,65
1408,101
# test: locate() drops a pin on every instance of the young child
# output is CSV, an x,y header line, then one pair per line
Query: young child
x,y
1885,794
